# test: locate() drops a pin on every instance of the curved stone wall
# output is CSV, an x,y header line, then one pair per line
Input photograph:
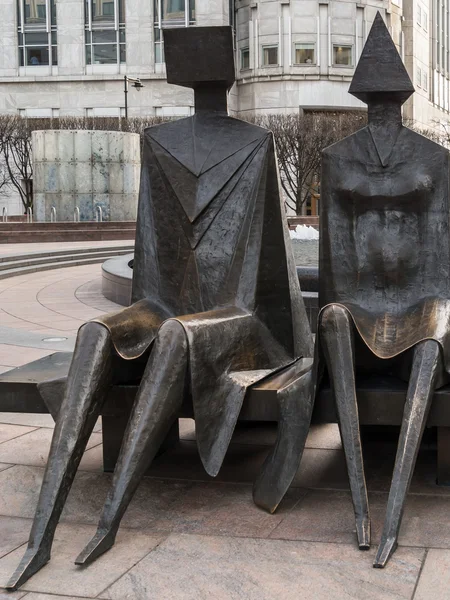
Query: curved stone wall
x,y
85,169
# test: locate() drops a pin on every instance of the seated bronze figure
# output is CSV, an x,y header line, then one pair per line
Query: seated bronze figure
x,y
216,300
384,270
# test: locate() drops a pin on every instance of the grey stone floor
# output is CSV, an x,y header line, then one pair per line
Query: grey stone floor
x,y
186,536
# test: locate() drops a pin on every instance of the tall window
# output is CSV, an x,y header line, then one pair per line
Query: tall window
x,y
171,13
342,55
270,55
37,32
105,32
304,54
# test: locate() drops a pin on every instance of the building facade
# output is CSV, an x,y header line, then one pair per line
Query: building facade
x,y
69,57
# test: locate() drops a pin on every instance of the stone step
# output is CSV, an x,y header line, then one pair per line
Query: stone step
x,y
48,266
36,225
70,235
69,251
29,261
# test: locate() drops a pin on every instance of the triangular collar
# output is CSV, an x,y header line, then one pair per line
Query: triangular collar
x,y
384,139
201,142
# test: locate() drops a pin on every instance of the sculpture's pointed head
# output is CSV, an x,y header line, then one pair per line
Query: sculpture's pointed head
x,y
201,58
380,73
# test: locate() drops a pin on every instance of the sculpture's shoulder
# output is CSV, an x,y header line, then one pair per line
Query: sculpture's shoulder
x,y
424,143
204,126
348,146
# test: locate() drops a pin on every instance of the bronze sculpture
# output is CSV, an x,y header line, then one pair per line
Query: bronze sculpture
x,y
384,269
216,301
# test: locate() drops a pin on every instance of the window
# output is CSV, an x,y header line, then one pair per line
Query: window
x,y
342,56
304,54
419,15
270,56
425,20
245,58
425,80
105,32
419,77
171,13
37,33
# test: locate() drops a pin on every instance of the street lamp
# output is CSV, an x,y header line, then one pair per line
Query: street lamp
x,y
137,84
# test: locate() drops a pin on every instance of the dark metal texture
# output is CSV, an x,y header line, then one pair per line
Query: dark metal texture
x,y
384,266
216,301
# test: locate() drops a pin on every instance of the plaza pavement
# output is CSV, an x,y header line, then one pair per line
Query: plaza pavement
x,y
185,535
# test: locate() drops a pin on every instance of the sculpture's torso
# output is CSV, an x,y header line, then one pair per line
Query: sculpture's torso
x,y
202,183
385,238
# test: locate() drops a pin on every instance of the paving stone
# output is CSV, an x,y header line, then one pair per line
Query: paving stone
x,y
426,521
33,448
8,432
225,509
29,419
190,567
14,533
11,595
434,580
60,575
151,506
327,516
38,596
4,466
15,356
324,436
19,490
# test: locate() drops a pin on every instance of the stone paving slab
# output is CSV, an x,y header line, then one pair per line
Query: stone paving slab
x,y
29,419
61,575
435,577
33,448
14,533
11,595
188,567
9,432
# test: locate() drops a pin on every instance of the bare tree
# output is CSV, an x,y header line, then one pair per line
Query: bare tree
x,y
16,160
299,140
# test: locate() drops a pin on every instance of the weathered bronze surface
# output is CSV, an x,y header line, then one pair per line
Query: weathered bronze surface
x,y
384,283
216,304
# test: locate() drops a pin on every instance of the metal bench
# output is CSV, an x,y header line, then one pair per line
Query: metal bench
x,y
380,399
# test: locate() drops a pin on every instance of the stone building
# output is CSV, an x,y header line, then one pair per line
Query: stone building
x,y
69,57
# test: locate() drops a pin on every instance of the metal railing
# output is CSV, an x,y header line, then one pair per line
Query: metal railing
x,y
4,215
29,215
53,214
98,214
76,215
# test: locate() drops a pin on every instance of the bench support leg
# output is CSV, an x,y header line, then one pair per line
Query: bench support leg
x,y
113,430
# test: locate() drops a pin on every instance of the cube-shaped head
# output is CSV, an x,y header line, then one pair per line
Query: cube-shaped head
x,y
199,56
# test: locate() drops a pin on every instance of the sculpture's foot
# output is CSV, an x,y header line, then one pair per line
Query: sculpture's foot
x,y
33,560
363,533
102,541
385,551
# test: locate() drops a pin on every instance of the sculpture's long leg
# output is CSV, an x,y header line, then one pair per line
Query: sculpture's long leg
x,y
295,404
336,331
425,368
87,384
157,404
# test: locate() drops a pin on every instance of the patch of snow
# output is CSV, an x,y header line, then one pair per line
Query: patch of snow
x,y
304,232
